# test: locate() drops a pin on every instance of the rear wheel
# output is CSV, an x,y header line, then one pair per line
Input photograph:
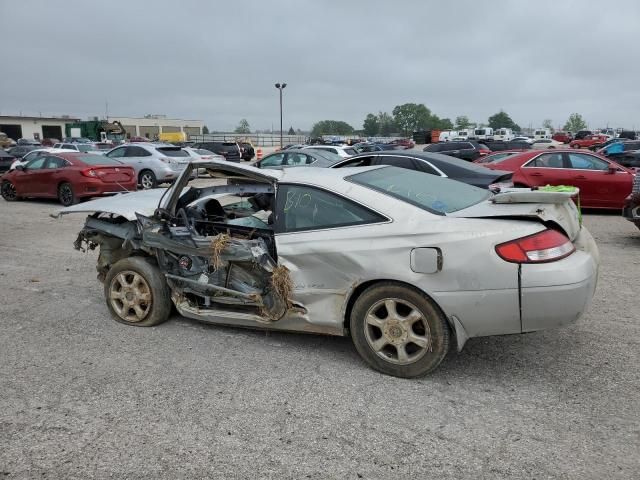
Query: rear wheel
x,y
137,292
147,179
66,195
8,191
399,331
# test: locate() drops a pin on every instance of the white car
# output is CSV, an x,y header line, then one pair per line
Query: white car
x,y
344,152
522,139
202,154
407,263
78,147
37,153
544,143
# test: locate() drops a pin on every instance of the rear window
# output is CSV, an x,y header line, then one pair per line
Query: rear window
x,y
97,160
172,151
202,151
86,148
434,194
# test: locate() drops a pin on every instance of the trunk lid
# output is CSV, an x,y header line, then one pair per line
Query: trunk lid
x,y
114,174
516,203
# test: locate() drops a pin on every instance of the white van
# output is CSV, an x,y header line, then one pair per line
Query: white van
x,y
485,133
542,133
465,133
447,135
504,134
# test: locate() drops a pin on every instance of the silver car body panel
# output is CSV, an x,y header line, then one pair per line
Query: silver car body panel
x,y
479,293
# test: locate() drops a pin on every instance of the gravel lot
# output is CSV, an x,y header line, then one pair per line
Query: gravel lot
x,y
82,396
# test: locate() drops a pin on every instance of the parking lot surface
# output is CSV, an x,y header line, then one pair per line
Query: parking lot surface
x,y
82,396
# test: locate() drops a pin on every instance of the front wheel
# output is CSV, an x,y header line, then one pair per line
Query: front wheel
x,y
399,331
8,191
137,292
147,179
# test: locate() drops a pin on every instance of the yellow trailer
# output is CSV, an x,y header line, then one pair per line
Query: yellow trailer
x,y
173,137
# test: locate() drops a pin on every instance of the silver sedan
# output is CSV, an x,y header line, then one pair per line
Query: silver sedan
x,y
406,263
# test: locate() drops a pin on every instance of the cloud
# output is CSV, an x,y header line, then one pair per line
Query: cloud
x,y
218,61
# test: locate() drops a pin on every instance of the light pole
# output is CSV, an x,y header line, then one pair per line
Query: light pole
x,y
280,86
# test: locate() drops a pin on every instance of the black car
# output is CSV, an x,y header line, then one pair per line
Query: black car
x,y
467,150
628,135
434,163
299,158
229,150
5,161
499,146
582,134
20,150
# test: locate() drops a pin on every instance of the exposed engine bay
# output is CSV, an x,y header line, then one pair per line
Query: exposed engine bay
x,y
216,251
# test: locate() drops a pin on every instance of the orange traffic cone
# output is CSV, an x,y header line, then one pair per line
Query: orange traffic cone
x,y
259,154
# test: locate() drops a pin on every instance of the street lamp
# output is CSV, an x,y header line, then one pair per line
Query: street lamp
x,y
280,86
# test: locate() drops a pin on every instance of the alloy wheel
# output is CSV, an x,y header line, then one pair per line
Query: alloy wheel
x,y
66,195
146,180
130,296
9,191
397,331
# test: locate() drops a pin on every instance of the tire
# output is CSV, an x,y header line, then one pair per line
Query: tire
x,y
137,282
637,224
147,179
8,191
385,321
66,196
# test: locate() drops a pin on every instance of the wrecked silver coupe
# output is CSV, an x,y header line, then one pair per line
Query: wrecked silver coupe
x,y
406,263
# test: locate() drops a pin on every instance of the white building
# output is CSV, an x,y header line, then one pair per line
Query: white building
x,y
17,127
152,125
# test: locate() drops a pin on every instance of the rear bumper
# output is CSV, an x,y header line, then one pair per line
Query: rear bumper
x,y
98,188
558,293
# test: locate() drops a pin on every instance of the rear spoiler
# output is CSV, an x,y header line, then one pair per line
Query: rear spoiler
x,y
527,195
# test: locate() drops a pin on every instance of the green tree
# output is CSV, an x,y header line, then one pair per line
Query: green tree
x,y
503,120
205,130
386,123
443,123
575,123
371,126
243,127
462,122
291,131
411,116
548,123
331,127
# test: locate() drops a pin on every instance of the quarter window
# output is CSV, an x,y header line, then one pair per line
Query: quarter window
x,y
301,208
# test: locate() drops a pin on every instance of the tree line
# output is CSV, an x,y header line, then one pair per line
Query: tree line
x,y
409,117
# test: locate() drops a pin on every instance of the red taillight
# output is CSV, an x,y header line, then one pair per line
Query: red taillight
x,y
89,172
545,246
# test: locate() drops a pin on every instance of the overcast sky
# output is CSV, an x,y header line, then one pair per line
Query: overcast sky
x,y
218,61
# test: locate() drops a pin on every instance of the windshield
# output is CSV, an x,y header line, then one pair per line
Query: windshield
x,y
97,160
172,151
86,148
431,193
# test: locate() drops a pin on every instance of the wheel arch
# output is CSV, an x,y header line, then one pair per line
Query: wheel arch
x,y
455,326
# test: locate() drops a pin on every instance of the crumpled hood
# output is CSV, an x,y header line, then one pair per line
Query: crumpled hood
x,y
126,205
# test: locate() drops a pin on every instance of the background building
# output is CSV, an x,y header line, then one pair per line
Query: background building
x,y
17,127
152,125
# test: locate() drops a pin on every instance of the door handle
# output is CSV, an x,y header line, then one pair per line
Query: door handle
x,y
535,174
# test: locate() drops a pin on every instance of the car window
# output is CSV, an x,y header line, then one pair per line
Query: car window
x,y
98,160
57,145
298,159
586,162
350,151
394,161
86,148
36,163
55,162
547,160
356,162
171,152
117,153
274,160
434,194
300,208
137,152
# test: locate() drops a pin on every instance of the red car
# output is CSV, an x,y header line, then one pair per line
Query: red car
x,y
68,177
588,141
564,137
602,183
